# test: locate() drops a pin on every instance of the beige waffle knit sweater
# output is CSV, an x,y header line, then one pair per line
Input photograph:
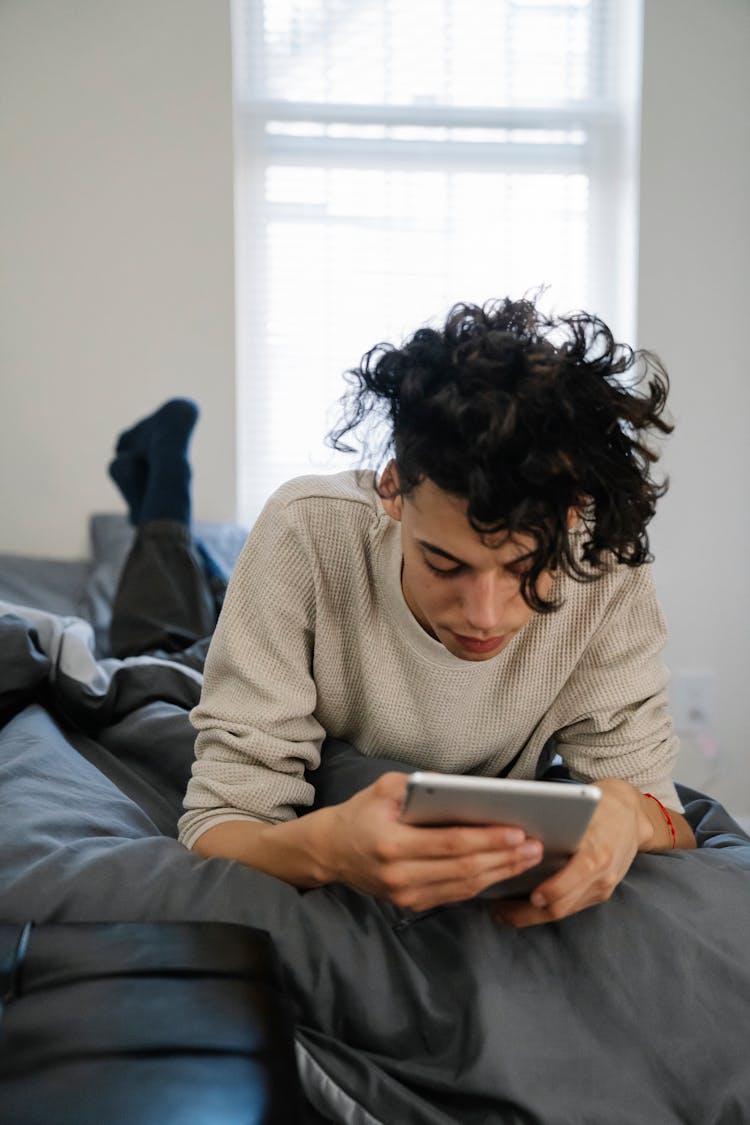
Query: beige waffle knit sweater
x,y
315,639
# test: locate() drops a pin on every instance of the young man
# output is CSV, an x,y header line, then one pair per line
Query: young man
x,y
486,593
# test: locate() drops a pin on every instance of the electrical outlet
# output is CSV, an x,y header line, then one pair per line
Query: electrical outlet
x,y
694,705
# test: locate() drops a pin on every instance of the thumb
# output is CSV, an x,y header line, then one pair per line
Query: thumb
x,y
391,785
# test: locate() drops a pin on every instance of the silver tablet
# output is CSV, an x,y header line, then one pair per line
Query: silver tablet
x,y
553,812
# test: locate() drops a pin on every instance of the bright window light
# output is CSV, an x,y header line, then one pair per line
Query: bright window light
x,y
396,156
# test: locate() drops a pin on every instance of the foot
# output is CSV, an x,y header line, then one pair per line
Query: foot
x,y
129,471
159,443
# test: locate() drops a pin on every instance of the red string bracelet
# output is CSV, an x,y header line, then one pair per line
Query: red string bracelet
x,y
667,817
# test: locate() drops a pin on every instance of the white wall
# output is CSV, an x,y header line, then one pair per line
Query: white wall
x,y
116,257
694,310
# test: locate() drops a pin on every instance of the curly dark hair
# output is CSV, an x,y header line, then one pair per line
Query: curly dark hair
x,y
524,416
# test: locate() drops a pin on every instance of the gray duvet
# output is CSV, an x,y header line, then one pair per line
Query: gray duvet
x,y
635,1011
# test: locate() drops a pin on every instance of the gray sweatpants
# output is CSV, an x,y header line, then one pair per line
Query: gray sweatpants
x,y
165,604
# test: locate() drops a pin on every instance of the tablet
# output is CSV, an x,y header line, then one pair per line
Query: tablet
x,y
557,813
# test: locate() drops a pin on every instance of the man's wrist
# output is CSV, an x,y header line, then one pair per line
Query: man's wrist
x,y
317,837
667,830
650,818
647,826
294,850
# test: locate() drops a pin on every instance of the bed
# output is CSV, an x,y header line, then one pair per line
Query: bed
x,y
637,1010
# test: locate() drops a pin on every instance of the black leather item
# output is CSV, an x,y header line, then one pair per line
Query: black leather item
x,y
144,1024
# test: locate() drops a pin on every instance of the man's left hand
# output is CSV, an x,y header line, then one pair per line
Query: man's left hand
x,y
622,825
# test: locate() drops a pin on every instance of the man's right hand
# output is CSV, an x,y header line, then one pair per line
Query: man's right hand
x,y
362,842
415,867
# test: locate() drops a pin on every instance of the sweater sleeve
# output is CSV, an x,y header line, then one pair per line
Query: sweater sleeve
x,y
257,732
614,707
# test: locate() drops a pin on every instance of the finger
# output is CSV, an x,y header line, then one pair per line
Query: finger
x,y
391,784
448,840
451,892
473,866
422,884
519,913
579,873
525,913
579,897
460,840
533,912
553,899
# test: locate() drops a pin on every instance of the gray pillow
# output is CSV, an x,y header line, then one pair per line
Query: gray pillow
x,y
54,585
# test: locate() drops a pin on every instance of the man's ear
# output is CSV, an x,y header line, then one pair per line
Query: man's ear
x,y
577,512
389,490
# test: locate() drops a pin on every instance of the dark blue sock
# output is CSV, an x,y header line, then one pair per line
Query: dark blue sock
x,y
162,441
178,415
130,473
167,495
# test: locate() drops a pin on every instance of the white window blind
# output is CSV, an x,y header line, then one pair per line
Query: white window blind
x,y
396,156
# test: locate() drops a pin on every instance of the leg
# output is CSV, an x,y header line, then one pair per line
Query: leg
x,y
151,466
170,589
164,601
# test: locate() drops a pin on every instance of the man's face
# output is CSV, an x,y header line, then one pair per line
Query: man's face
x,y
464,592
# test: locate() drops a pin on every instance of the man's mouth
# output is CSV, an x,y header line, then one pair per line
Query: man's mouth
x,y
479,645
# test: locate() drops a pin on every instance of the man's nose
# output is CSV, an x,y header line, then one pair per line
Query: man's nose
x,y
486,600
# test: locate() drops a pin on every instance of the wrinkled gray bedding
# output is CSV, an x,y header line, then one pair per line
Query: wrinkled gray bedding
x,y
86,587
634,1011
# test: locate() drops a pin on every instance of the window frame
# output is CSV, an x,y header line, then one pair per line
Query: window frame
x,y
607,157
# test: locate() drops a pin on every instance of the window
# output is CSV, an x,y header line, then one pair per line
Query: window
x,y
397,156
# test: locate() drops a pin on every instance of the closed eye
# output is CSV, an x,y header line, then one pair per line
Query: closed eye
x,y
442,572
521,567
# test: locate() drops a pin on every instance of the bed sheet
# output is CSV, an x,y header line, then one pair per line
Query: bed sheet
x,y
634,1010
